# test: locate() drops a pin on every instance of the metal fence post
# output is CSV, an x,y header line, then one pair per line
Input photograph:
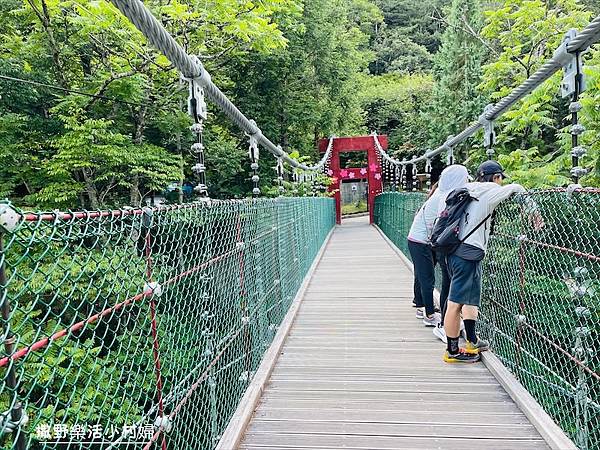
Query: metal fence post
x,y
277,287
155,291
8,221
520,318
244,311
582,333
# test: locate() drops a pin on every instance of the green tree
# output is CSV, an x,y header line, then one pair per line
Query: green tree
x,y
457,72
396,105
532,137
310,85
409,36
91,47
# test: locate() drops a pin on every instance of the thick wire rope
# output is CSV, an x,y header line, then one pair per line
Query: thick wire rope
x,y
192,68
588,36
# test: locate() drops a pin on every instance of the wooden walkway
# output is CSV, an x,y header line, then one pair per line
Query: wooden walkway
x,y
358,371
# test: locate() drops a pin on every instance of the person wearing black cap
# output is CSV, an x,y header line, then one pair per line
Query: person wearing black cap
x,y
464,264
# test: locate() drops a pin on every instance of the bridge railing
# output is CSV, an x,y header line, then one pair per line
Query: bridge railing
x,y
138,328
541,298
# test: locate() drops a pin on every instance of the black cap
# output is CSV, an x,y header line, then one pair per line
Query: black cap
x,y
490,168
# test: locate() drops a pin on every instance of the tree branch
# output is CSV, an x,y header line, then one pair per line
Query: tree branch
x,y
44,17
469,30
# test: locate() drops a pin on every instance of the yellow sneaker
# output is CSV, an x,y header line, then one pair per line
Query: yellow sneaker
x,y
461,357
475,348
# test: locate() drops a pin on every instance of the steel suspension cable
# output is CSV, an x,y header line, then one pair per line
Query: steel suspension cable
x,y
580,43
192,68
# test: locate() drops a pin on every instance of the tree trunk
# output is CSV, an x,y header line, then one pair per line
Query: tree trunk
x,y
180,152
44,17
181,167
134,191
90,190
138,138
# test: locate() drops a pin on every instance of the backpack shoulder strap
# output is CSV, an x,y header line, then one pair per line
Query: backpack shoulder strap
x,y
475,229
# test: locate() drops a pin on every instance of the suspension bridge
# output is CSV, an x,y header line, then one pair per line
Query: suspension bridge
x,y
272,323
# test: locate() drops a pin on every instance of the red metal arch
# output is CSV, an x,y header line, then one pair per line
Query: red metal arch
x,y
373,173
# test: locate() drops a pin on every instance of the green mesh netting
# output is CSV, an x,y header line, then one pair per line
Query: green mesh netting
x,y
541,298
112,319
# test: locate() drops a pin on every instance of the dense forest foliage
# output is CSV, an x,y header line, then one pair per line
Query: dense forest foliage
x,y
418,71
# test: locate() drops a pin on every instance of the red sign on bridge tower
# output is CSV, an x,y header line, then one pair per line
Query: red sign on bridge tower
x,y
372,173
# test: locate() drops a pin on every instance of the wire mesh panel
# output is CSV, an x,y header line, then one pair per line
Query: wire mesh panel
x,y
143,328
394,213
541,297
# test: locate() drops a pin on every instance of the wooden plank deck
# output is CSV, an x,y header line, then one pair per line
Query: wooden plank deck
x,y
358,371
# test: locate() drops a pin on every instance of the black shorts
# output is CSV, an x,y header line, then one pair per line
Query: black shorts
x,y
465,281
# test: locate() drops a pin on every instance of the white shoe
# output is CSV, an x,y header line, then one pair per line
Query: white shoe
x,y
420,314
432,321
440,333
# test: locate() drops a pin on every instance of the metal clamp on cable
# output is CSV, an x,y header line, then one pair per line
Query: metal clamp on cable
x,y
578,151
8,425
198,168
9,217
147,216
253,153
578,172
449,149
164,424
489,134
571,64
153,288
197,107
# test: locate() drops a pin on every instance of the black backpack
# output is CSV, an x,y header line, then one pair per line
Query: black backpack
x,y
446,230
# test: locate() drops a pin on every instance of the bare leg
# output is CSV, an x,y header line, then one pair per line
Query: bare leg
x,y
452,319
470,312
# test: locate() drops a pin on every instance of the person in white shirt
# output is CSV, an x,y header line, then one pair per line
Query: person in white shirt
x,y
464,264
452,177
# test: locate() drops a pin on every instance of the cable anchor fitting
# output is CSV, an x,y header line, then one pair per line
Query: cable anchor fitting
x,y
572,66
197,107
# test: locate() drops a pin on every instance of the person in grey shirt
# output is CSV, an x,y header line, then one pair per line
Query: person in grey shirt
x,y
464,265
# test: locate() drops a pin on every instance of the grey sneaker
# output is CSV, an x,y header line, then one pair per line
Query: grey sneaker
x,y
433,320
480,346
420,313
